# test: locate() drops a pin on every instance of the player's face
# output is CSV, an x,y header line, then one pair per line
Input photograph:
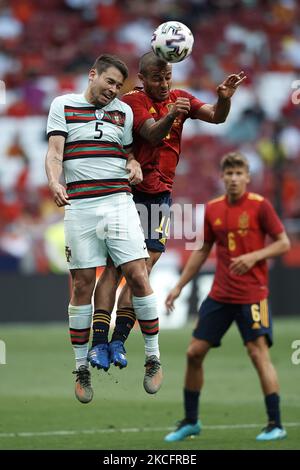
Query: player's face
x,y
235,181
157,82
105,87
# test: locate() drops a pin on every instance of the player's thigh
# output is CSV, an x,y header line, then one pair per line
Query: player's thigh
x,y
111,275
84,249
214,320
255,320
125,239
152,260
108,282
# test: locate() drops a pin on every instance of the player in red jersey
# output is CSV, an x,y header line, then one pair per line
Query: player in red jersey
x,y
159,115
238,224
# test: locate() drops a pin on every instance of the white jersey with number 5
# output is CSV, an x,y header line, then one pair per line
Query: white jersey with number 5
x,y
95,157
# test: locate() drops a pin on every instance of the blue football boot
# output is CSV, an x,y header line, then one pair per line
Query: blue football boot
x,y
117,354
184,429
98,356
271,433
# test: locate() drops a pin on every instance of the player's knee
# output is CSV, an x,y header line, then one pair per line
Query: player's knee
x,y
83,287
255,354
139,282
195,356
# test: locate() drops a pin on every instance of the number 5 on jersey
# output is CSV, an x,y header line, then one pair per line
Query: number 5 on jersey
x,y
98,132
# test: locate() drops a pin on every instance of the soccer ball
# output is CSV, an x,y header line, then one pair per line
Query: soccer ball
x,y
172,41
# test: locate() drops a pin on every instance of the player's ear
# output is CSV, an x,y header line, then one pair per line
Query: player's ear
x,y
92,74
141,77
248,177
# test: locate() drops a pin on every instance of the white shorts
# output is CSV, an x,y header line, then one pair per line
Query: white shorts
x,y
96,228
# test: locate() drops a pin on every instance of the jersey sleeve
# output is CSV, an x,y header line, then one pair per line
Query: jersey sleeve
x,y
56,124
127,137
195,103
140,112
269,220
209,236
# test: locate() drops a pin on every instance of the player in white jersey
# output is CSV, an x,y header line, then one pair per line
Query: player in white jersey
x,y
90,137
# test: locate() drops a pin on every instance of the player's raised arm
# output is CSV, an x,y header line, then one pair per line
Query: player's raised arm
x,y
218,112
54,159
193,266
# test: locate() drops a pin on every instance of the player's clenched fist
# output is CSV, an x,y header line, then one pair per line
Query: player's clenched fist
x,y
181,105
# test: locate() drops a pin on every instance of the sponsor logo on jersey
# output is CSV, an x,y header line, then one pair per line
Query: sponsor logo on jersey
x,y
218,221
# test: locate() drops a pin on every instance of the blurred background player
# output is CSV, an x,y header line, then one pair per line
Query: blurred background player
x,y
90,139
238,223
158,117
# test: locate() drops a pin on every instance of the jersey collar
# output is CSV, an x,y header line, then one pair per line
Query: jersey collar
x,y
239,201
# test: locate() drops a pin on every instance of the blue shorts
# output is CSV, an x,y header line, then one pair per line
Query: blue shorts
x,y
215,318
154,213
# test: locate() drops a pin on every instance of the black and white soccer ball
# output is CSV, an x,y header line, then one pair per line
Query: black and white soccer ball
x,y
172,41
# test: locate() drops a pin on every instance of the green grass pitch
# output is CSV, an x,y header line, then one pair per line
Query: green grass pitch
x,y
38,409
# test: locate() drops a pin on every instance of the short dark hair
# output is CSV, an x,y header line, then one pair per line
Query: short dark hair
x,y
149,59
104,61
234,159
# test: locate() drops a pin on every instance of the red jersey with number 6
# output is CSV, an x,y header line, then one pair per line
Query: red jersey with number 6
x,y
237,229
159,162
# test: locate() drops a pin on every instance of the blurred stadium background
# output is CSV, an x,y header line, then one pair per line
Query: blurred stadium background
x,y
46,49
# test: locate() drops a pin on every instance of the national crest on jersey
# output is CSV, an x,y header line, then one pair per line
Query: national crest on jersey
x,y
99,114
95,156
243,224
